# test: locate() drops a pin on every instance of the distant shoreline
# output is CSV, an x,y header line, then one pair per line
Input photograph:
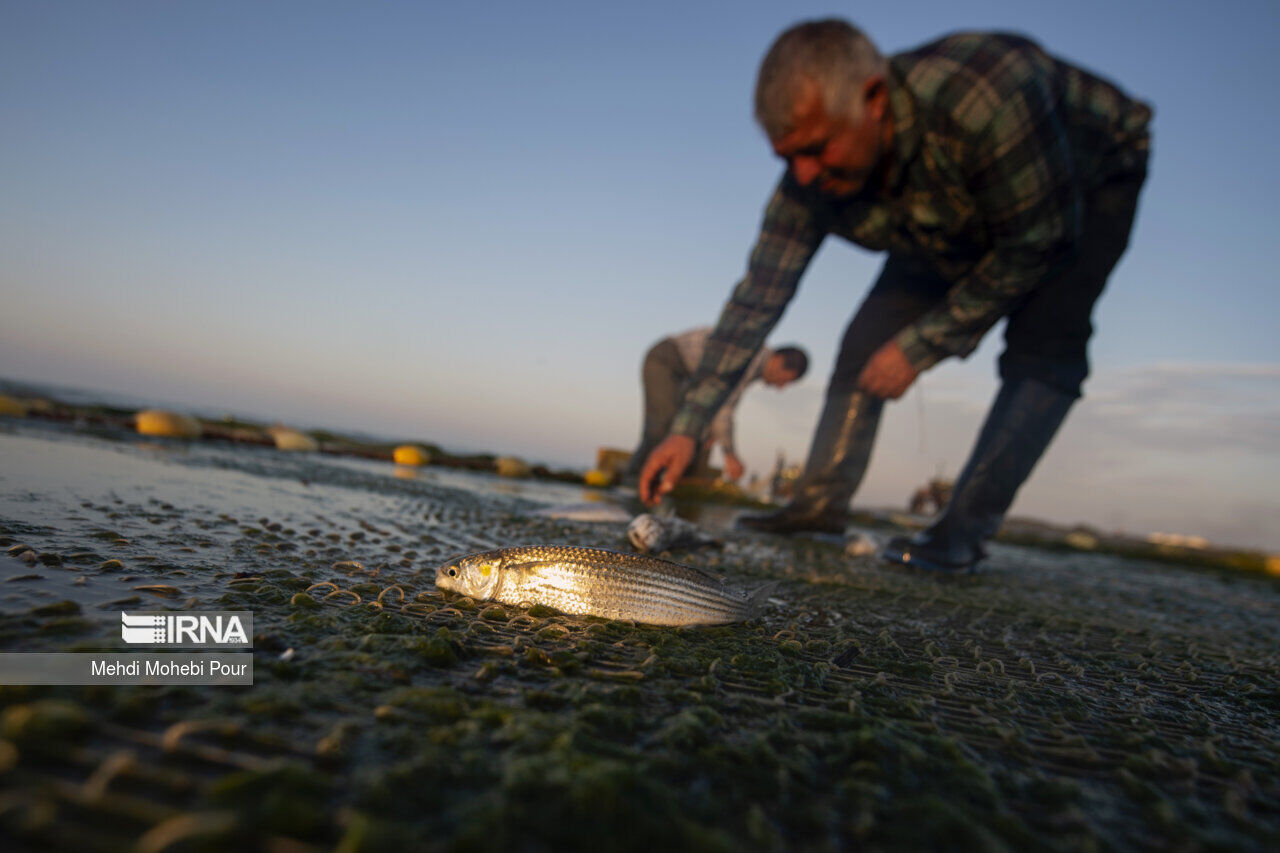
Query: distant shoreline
x,y
66,404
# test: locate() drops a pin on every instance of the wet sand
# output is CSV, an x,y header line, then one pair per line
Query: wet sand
x,y
1052,700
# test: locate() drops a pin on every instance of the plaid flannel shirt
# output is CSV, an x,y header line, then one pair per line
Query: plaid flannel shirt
x,y
996,144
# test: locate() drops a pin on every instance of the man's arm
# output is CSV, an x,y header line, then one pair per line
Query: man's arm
x,y
1026,185
722,424
721,431
789,235
722,434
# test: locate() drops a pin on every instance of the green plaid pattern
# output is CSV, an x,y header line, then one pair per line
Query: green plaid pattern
x,y
996,145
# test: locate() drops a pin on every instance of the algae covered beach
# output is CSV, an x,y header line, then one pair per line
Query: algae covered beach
x,y
639,427
1061,701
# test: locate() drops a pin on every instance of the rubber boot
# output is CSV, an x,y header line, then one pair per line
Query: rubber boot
x,y
837,460
1023,420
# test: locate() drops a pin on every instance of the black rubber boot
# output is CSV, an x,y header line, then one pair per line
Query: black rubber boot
x,y
1023,420
837,460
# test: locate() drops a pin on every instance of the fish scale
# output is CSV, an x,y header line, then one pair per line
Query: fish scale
x,y
596,582
593,591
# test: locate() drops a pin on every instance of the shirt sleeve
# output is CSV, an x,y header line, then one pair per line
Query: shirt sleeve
x,y
721,429
789,235
1026,187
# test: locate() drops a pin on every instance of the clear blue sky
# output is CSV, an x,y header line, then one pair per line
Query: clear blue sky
x,y
466,222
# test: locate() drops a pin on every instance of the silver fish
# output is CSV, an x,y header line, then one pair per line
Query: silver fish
x,y
595,582
653,533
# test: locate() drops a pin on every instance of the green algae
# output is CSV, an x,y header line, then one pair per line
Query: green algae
x,y
43,723
58,608
1027,708
439,651
287,799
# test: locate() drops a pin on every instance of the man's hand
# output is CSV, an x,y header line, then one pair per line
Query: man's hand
x,y
732,466
674,454
888,374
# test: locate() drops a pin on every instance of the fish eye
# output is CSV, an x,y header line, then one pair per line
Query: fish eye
x,y
453,573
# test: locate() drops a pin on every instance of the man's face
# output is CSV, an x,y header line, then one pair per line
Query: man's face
x,y
775,373
832,153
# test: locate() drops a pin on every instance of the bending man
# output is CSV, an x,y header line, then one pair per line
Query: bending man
x,y
666,373
1001,181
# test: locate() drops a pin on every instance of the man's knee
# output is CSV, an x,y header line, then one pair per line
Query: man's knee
x,y
1065,373
844,378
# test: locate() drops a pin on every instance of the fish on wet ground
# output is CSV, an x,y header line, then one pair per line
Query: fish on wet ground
x,y
596,582
656,533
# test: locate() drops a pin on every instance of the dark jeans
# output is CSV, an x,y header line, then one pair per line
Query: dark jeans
x,y
664,380
1049,328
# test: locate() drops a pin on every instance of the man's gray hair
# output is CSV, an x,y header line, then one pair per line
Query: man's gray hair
x,y
834,54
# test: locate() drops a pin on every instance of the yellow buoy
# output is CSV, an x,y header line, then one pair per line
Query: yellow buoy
x,y
596,477
510,466
12,407
1273,564
292,439
411,454
164,424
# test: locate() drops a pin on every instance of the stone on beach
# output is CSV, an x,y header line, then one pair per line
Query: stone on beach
x,y
292,439
861,545
511,466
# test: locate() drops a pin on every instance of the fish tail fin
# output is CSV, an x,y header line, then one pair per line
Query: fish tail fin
x,y
759,597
